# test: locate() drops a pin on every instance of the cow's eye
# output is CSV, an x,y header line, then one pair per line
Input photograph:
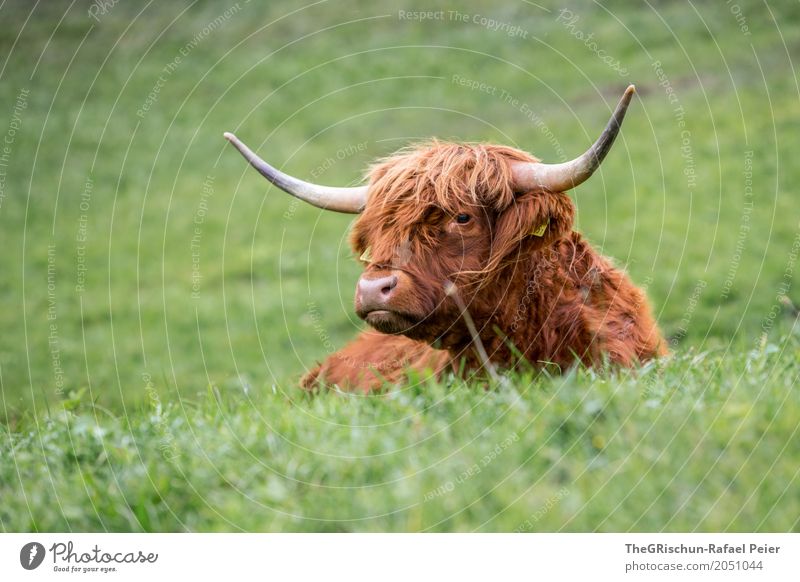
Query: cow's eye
x,y
463,218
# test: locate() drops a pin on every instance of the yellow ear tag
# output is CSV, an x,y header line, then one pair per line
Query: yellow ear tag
x,y
540,230
366,257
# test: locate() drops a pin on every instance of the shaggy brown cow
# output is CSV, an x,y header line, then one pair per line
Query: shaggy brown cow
x,y
470,257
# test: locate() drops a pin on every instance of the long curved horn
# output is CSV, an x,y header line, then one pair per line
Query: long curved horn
x,y
562,177
347,200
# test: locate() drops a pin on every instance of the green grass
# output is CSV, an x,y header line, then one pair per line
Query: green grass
x,y
702,442
301,84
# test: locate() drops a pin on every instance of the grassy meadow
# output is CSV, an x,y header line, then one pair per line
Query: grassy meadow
x,y
160,300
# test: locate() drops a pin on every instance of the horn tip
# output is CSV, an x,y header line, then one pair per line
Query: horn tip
x,y
229,136
630,90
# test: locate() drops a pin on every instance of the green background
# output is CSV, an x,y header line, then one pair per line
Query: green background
x,y
704,215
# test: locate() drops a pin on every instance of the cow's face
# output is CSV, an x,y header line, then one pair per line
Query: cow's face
x,y
446,213
406,267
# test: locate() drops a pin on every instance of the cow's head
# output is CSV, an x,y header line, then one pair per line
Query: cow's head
x,y
444,212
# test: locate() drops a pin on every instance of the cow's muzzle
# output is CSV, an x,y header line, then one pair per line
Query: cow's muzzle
x,y
376,303
374,293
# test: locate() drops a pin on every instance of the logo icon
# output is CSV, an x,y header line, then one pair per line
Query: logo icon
x,y
31,555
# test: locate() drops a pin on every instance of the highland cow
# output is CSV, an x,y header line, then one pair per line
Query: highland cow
x,y
471,261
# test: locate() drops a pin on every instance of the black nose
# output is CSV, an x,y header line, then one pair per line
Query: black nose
x,y
375,293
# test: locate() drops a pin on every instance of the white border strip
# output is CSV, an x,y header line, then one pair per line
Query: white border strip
x,y
406,557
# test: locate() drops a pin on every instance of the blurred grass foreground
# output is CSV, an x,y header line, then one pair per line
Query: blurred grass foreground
x,y
160,300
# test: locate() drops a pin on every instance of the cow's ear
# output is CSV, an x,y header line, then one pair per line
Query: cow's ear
x,y
533,217
553,215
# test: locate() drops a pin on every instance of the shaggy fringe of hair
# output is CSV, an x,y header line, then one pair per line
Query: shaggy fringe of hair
x,y
436,176
446,175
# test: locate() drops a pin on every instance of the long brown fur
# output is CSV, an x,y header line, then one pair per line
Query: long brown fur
x,y
551,299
